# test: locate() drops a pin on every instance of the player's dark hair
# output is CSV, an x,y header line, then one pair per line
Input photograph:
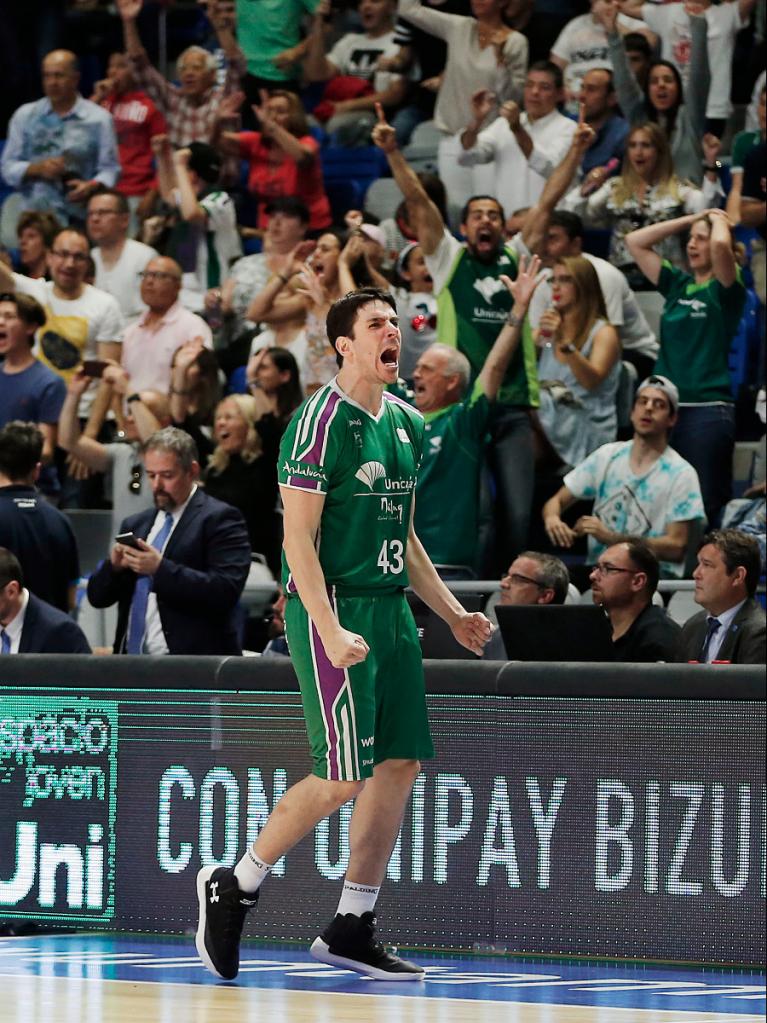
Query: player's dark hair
x,y
645,560
343,313
10,569
737,549
21,448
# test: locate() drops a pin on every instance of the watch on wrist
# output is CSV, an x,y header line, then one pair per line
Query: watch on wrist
x,y
513,320
568,349
133,397
713,168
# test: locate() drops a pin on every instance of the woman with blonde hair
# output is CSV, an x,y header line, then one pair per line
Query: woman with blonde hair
x,y
238,474
647,191
701,315
284,158
579,364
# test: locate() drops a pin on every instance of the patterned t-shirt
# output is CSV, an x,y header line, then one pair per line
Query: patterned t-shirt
x,y
633,505
366,466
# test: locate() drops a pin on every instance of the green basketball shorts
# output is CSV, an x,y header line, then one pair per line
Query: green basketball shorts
x,y
357,717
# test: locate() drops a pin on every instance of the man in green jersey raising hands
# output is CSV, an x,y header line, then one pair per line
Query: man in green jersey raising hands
x,y
347,469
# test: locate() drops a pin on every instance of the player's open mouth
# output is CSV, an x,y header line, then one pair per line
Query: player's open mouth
x,y
390,357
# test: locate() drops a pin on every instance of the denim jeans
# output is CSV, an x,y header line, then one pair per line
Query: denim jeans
x,y
705,436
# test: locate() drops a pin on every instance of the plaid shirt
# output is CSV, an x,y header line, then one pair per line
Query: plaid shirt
x,y
187,121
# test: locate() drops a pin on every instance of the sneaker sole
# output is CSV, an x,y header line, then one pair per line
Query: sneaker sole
x,y
203,875
321,950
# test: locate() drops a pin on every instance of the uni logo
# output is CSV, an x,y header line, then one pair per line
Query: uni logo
x,y
369,472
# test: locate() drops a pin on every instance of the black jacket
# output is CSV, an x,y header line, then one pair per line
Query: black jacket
x,y
47,630
745,642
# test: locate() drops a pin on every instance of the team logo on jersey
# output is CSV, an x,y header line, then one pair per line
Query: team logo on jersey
x,y
488,287
698,307
369,472
355,422
435,443
303,470
402,434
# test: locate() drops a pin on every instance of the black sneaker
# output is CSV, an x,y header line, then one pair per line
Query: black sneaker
x,y
349,942
222,915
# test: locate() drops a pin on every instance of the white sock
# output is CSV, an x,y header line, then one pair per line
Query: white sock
x,y
251,872
357,898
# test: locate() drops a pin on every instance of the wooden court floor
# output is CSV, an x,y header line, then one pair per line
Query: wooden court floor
x,y
123,979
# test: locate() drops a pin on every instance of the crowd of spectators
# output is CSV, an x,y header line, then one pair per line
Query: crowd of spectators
x,y
578,263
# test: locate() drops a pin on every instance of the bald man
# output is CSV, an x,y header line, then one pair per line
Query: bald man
x,y
149,344
61,149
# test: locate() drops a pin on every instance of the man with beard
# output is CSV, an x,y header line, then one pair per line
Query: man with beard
x,y
473,304
180,572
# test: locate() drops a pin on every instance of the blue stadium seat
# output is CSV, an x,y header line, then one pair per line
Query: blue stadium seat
x,y
360,167
744,350
237,383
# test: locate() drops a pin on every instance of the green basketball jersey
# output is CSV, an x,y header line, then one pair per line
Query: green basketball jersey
x,y
366,466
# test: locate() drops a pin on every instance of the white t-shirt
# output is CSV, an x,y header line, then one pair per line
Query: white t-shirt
x,y
218,245
583,44
73,328
356,54
122,281
669,491
672,24
519,181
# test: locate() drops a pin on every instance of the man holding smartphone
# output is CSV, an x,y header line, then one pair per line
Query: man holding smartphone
x,y
177,589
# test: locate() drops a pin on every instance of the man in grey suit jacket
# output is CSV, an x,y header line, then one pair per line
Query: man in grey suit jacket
x,y
27,624
731,626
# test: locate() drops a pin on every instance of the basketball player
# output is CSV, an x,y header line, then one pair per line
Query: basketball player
x,y
347,469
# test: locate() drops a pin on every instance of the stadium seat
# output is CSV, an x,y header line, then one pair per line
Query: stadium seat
x,y
624,396
382,198
421,151
744,350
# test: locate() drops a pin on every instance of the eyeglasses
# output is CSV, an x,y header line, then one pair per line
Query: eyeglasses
x,y
518,580
157,275
561,279
605,568
134,484
76,257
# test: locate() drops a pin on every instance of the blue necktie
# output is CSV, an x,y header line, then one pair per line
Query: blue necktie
x,y
5,642
137,623
713,626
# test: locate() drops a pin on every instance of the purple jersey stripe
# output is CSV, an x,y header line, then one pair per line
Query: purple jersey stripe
x,y
395,398
314,455
302,483
331,681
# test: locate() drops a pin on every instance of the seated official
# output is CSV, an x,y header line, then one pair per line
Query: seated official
x,y
178,588
731,626
532,578
27,624
39,535
623,582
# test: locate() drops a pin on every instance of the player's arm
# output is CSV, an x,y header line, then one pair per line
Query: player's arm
x,y
302,514
472,630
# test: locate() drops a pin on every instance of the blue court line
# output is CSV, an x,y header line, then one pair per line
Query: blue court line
x,y
121,957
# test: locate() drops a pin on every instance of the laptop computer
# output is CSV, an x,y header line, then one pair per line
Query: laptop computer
x,y
555,632
437,641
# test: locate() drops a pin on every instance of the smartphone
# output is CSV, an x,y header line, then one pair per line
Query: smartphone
x,y
128,539
94,367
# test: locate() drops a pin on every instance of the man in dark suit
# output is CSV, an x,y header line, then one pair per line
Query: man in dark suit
x,y
731,626
177,589
37,533
27,624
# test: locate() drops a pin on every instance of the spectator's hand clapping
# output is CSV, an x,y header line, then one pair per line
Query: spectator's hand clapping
x,y
51,168
353,219
511,112
267,122
313,288
529,276
483,101
296,261
383,135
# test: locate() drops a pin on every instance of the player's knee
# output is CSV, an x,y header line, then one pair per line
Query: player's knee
x,y
336,793
405,771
